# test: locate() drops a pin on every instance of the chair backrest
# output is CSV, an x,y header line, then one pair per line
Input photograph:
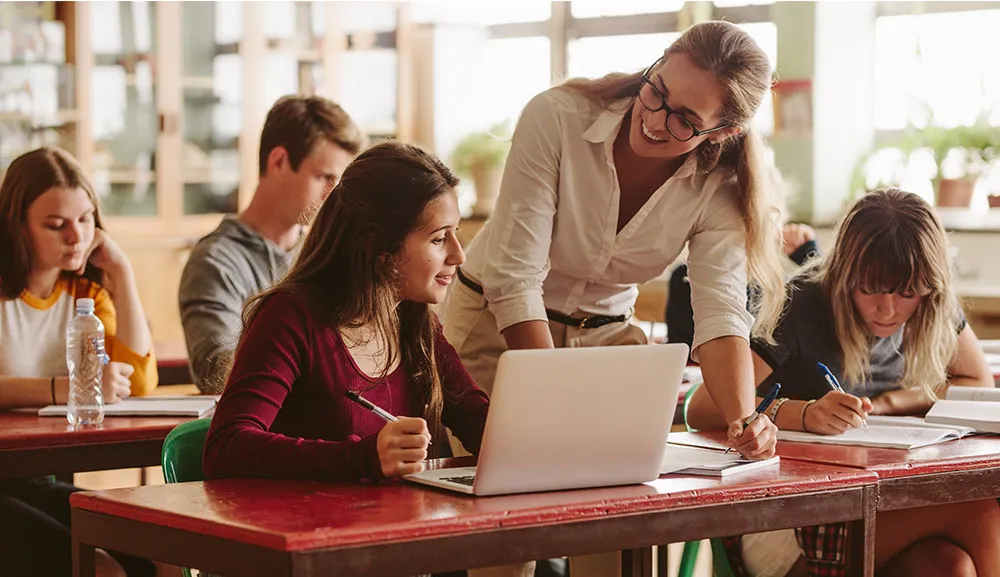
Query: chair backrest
x,y
687,401
182,450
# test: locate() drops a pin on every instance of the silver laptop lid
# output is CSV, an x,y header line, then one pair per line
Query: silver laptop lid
x,y
579,417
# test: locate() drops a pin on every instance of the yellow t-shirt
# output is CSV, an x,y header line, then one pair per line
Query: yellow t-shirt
x,y
33,334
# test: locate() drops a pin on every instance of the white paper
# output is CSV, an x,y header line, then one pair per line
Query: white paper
x,y
876,436
148,407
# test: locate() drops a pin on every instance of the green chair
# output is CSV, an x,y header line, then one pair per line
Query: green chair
x,y
720,563
181,455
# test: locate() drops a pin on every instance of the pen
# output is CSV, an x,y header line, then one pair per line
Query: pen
x,y
771,396
377,410
835,384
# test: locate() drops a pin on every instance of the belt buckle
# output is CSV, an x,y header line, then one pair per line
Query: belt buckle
x,y
583,322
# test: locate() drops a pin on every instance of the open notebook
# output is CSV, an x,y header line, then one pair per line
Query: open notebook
x,y
885,432
975,407
178,406
687,460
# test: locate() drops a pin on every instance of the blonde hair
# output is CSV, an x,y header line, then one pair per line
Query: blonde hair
x,y
892,242
742,69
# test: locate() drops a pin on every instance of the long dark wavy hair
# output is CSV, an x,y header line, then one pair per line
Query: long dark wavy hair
x,y
346,269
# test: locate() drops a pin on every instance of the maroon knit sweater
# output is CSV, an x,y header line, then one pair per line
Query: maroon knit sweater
x,y
284,413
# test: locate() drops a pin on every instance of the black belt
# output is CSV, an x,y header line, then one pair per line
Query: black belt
x,y
589,322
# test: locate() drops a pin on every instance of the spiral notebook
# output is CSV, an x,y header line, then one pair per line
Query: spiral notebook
x,y
190,406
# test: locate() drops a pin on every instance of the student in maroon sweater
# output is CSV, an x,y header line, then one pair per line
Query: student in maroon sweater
x,y
352,315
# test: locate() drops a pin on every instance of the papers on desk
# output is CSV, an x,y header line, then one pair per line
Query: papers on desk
x,y
685,460
885,432
178,406
975,407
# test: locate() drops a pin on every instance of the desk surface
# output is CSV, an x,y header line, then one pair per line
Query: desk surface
x,y
295,516
32,445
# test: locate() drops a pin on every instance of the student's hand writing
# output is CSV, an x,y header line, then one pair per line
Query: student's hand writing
x,y
836,412
402,446
114,382
757,441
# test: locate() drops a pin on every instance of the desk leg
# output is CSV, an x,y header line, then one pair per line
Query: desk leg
x,y
637,562
84,559
863,534
662,561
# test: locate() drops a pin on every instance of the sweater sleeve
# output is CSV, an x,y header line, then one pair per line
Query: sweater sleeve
x,y
274,355
145,376
465,404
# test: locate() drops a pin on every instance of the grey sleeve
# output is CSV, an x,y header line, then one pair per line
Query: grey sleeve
x,y
211,305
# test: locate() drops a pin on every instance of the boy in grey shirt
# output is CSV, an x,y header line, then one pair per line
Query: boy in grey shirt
x,y
305,145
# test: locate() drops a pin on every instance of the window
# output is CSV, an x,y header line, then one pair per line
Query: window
x,y
519,69
598,55
598,8
935,66
482,13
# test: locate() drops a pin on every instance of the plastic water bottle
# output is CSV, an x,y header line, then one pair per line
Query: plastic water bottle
x,y
85,358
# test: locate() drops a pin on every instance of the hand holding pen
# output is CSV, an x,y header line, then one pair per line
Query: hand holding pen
x,y
401,444
837,411
750,450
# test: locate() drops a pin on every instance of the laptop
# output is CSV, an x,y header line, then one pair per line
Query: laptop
x,y
572,418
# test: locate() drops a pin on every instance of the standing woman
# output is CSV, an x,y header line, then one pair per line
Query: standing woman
x,y
606,181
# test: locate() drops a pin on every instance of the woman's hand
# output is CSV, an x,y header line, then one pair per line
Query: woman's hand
x,y
402,446
115,382
105,254
795,235
757,440
835,413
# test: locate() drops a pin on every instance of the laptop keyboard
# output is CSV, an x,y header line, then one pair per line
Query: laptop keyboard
x,y
464,480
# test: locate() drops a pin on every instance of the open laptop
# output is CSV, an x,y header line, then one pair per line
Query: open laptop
x,y
572,418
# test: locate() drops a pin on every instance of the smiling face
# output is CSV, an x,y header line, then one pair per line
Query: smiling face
x,y
431,253
60,225
690,91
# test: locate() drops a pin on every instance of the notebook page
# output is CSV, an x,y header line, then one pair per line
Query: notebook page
x,y
147,406
692,460
983,416
875,436
898,421
973,394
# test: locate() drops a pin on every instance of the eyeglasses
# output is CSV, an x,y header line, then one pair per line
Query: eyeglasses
x,y
677,124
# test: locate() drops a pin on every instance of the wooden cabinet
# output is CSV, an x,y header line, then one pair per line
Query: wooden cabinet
x,y
172,97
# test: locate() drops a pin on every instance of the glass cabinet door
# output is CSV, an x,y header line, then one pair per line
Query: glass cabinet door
x,y
124,111
211,118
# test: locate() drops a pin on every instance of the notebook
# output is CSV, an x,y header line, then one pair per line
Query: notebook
x,y
686,460
894,436
190,406
976,407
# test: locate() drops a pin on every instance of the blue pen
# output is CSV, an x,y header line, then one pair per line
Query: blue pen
x,y
835,384
771,396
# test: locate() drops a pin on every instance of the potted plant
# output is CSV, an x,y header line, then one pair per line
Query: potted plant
x,y
961,154
481,156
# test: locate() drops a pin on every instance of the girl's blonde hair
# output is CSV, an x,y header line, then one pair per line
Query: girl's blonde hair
x,y
742,69
892,242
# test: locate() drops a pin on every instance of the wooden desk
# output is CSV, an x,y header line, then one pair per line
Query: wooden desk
x,y
250,528
963,470
31,445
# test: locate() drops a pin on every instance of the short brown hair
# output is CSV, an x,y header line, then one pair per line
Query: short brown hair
x,y
297,123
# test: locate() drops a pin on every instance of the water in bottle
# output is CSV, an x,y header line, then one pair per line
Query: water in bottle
x,y
85,359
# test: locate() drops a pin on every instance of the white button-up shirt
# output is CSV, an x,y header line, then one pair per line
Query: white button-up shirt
x,y
552,241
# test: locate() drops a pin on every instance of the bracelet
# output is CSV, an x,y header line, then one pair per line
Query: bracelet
x,y
53,384
773,413
803,415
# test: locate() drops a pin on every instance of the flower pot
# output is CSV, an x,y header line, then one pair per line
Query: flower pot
x,y
486,180
994,200
955,192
